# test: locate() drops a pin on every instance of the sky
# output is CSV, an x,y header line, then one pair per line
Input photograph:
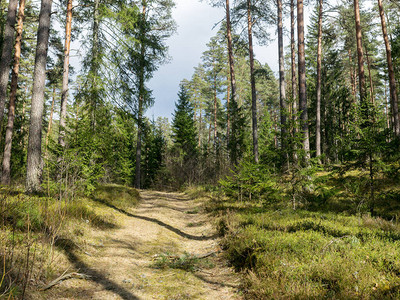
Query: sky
x,y
195,22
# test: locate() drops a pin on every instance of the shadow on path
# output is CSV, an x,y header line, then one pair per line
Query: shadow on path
x,y
152,205
68,247
221,284
167,226
164,197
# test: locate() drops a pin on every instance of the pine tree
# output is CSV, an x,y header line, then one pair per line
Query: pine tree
x,y
302,80
282,83
214,59
6,171
34,163
250,22
64,93
392,78
6,55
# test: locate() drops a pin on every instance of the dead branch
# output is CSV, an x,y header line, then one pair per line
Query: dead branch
x,y
64,277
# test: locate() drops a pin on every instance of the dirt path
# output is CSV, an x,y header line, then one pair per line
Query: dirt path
x,y
122,261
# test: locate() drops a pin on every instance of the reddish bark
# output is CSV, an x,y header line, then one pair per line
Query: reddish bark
x,y
6,173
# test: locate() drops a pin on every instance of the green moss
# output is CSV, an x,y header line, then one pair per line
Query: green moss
x,y
302,254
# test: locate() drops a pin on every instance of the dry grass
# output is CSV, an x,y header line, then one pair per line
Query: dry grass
x,y
34,231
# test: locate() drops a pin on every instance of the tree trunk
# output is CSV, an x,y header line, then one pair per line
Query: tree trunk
x,y
34,162
200,127
49,126
139,148
293,63
319,63
94,67
252,82
387,108
392,79
209,134
231,61
282,85
6,173
371,83
64,93
352,79
228,123
293,59
360,54
302,80
215,115
141,98
6,56
23,140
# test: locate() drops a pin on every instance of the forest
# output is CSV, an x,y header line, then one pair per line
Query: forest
x,y
297,172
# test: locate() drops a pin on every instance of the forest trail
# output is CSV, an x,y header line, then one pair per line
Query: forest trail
x,y
123,265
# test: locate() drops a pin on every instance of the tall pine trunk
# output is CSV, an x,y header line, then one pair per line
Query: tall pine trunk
x,y
302,80
293,59
50,125
215,115
139,146
6,173
94,67
6,55
34,162
141,99
387,108
282,86
392,79
360,53
231,63
252,82
228,100
352,78
64,93
293,75
319,63
200,127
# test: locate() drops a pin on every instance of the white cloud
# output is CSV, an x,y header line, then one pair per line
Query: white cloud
x,y
195,21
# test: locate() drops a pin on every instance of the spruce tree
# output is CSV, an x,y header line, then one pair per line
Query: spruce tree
x,y
183,126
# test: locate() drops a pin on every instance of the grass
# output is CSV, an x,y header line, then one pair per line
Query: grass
x,y
187,262
116,195
329,248
32,226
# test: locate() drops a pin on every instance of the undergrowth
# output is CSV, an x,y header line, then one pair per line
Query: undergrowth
x,y
186,261
329,247
35,231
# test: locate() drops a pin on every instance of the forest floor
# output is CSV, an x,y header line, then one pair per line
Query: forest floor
x,y
155,253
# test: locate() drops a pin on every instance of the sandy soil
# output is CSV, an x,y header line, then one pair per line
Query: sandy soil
x,y
121,262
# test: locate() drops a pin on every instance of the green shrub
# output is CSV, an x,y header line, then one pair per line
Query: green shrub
x,y
312,255
251,182
186,262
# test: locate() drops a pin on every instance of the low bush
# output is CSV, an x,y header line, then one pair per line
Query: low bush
x,y
186,262
287,254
